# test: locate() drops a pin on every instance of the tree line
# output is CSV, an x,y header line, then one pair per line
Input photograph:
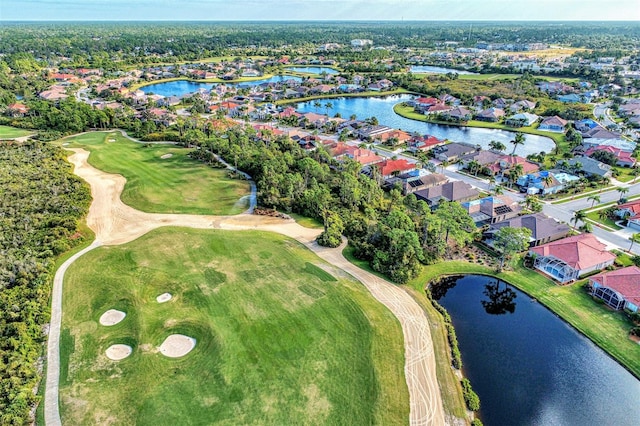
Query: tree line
x,y
41,204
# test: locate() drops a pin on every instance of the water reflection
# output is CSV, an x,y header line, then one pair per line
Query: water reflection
x,y
500,300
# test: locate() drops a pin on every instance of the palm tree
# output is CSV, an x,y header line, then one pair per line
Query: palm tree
x,y
518,140
492,181
444,164
577,217
497,146
328,106
594,199
586,227
635,238
317,105
498,189
622,191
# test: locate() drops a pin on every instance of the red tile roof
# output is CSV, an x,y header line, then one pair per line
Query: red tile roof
x,y
625,281
364,156
621,155
388,167
580,251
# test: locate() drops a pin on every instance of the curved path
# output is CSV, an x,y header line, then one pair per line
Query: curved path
x,y
116,223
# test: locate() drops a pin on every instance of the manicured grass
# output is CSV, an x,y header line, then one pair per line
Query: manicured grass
x,y
606,328
172,185
307,222
279,340
606,221
8,132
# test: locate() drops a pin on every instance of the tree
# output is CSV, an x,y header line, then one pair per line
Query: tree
x,y
497,146
594,199
577,217
328,106
635,238
622,190
455,222
518,140
509,241
498,190
500,300
333,228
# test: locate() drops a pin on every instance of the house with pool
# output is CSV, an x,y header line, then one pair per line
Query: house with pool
x,y
619,289
567,259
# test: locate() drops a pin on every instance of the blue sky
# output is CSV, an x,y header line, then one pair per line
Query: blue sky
x,y
217,10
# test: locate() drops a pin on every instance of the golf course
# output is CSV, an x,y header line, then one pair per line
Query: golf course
x,y
278,339
161,178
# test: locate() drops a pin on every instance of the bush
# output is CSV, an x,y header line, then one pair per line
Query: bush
x,y
470,397
476,422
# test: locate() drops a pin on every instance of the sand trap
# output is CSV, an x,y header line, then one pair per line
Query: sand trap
x,y
111,140
118,352
177,345
164,297
112,317
164,157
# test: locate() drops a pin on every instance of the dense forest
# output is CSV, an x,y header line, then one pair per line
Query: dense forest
x,y
108,44
41,203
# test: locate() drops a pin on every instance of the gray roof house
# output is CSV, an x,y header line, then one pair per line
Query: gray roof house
x,y
591,167
450,191
453,151
492,209
543,228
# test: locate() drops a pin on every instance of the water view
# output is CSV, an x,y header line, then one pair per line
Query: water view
x,y
528,366
182,87
382,109
419,69
313,70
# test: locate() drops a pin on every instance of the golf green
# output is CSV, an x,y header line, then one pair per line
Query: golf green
x,y
162,178
279,339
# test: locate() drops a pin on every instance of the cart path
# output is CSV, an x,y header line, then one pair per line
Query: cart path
x,y
116,223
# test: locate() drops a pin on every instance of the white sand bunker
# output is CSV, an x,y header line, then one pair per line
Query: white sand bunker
x,y
164,297
118,352
164,157
177,345
112,317
111,140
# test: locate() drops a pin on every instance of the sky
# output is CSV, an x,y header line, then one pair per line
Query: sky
x,y
287,10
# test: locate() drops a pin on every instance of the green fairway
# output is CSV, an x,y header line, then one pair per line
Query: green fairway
x,y
8,132
279,339
176,184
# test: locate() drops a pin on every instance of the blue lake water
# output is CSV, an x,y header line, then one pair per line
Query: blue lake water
x,y
418,69
382,109
182,87
313,70
529,367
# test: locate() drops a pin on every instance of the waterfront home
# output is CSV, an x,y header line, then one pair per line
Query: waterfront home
x,y
490,114
437,109
372,131
492,209
522,119
553,124
453,151
619,289
543,228
567,259
458,114
450,191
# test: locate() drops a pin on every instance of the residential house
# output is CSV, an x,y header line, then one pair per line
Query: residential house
x,y
390,167
483,158
16,110
523,105
490,114
458,114
438,109
554,87
543,228
501,103
570,98
507,162
372,131
522,119
590,167
492,209
399,136
543,182
450,191
567,259
361,155
416,180
553,124
623,158
423,143
631,212
619,289
453,151
585,125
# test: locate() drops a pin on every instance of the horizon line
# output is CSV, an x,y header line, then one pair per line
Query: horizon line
x,y
321,20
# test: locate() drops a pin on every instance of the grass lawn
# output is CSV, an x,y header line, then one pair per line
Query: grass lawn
x,y
8,132
606,221
307,222
172,185
279,340
606,328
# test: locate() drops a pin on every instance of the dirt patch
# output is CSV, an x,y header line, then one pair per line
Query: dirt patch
x,y
177,345
112,317
118,352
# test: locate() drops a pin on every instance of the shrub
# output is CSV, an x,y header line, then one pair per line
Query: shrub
x,y
470,397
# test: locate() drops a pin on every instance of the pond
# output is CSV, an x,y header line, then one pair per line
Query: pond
x,y
527,365
419,69
313,70
182,87
382,109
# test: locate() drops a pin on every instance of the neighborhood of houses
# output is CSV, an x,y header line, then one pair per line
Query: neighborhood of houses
x,y
557,251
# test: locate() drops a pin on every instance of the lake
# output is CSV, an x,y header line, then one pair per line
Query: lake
x,y
382,109
420,69
182,87
313,70
529,367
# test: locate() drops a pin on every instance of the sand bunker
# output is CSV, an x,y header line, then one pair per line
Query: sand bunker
x,y
177,345
164,297
112,317
111,140
164,157
118,352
